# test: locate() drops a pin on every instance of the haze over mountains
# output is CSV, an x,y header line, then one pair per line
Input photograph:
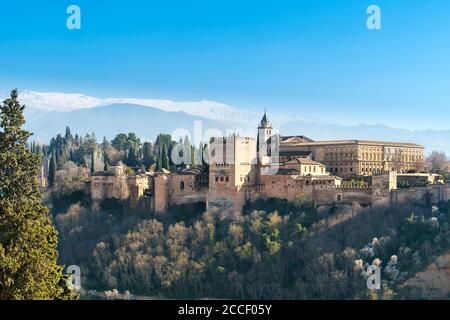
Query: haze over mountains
x,y
49,113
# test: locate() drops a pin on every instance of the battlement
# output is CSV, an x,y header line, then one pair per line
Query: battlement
x,y
383,172
233,136
253,188
342,187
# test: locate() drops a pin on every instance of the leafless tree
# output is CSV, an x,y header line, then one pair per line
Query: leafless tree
x,y
437,161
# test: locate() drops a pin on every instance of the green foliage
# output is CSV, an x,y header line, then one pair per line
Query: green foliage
x,y
106,166
294,252
353,183
52,171
403,184
165,158
133,157
125,148
28,240
148,155
92,163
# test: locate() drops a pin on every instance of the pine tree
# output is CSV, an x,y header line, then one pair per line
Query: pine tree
x,y
28,240
52,171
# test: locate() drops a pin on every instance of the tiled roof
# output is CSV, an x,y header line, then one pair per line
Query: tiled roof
x,y
305,161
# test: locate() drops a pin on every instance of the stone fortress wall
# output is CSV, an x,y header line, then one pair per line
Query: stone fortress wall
x,y
244,169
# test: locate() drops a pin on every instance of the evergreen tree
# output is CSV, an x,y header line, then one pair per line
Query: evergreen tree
x,y
159,161
106,167
52,171
28,240
165,158
92,163
133,157
199,153
193,157
106,163
120,142
187,151
205,155
147,153
68,136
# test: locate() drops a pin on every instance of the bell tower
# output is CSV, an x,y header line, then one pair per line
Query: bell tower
x,y
264,135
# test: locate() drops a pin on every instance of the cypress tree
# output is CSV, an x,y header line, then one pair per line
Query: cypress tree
x,y
28,239
52,171
165,158
106,164
159,160
147,153
132,157
68,136
92,163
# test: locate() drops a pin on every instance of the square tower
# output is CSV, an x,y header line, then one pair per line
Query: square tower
x,y
232,168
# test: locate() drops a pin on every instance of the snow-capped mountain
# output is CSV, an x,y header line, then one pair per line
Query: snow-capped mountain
x,y
48,113
65,102
58,102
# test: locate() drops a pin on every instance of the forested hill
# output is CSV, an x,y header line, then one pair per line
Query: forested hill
x,y
108,121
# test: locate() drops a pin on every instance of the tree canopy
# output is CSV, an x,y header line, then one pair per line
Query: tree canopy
x,y
28,239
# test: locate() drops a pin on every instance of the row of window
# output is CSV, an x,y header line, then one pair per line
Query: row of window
x,y
227,179
313,169
222,179
104,184
341,169
372,157
341,156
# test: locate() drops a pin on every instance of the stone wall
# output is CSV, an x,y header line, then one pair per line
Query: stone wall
x,y
182,189
430,194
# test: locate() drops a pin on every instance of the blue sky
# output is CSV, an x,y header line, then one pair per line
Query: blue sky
x,y
312,57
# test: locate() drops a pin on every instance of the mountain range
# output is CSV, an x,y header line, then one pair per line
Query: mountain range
x,y
48,114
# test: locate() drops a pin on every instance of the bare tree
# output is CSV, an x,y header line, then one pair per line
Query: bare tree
x,y
437,161
418,166
396,159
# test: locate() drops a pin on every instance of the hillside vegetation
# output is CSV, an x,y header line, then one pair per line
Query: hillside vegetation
x,y
273,250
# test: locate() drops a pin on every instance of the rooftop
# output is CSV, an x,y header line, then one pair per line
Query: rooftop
x,y
102,174
305,161
287,143
264,123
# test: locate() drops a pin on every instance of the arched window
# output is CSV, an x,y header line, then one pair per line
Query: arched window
x,y
182,185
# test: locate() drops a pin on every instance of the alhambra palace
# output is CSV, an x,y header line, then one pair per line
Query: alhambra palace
x,y
294,168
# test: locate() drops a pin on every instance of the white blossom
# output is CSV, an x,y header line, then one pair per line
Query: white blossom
x,y
393,261
368,251
359,264
434,222
374,241
377,262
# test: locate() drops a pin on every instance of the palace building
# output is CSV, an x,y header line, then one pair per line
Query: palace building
x,y
353,158
293,168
